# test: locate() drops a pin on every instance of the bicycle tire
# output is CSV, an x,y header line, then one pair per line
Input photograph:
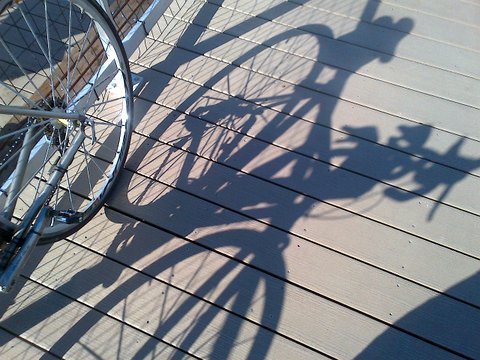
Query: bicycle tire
x,y
62,56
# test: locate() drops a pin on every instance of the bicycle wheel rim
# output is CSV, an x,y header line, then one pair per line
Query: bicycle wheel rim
x,y
69,60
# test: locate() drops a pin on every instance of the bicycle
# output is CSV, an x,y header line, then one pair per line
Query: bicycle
x,y
66,108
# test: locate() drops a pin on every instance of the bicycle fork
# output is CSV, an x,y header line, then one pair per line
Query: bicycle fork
x,y
30,229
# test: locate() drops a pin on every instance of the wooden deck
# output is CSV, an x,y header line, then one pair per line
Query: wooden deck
x,y
303,183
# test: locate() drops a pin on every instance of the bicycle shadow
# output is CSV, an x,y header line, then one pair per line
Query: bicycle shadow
x,y
468,334
256,250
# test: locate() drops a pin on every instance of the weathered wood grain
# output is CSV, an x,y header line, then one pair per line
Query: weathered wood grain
x,y
347,118
466,13
416,48
414,220
71,330
347,281
354,154
14,347
315,53
427,26
282,199
159,309
362,91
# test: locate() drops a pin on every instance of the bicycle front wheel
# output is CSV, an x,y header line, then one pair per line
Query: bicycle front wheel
x,y
63,72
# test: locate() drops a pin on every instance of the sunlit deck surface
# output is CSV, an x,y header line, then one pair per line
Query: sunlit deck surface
x,y
303,182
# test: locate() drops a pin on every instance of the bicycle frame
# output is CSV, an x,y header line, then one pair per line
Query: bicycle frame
x,y
30,228
28,232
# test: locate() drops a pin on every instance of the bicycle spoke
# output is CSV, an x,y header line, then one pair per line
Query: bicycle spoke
x,y
35,36
47,27
27,183
82,50
56,199
90,92
106,147
69,192
67,180
14,156
43,170
69,49
67,177
98,166
88,170
17,62
104,123
13,133
23,97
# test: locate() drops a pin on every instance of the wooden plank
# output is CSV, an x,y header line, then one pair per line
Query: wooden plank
x,y
389,15
336,277
327,55
357,91
69,329
379,127
147,155
420,261
330,301
320,324
411,215
467,13
14,347
426,268
125,15
143,191
365,158
362,151
374,126
154,307
419,49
